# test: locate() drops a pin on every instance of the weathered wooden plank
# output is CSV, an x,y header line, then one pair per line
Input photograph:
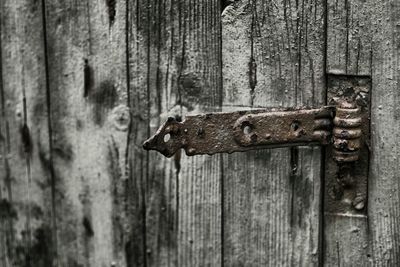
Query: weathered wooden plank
x,y
27,232
273,55
89,120
378,38
384,183
348,37
200,203
269,221
153,241
174,68
346,239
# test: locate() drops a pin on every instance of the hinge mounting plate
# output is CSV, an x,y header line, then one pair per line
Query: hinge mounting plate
x,y
346,183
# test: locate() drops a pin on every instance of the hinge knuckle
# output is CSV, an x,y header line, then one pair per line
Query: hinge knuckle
x,y
347,132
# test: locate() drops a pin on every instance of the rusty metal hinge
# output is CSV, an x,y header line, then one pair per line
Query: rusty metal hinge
x,y
342,126
212,133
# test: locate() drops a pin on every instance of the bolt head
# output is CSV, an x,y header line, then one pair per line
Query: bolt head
x,y
359,203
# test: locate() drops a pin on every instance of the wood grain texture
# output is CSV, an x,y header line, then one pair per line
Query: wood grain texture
x,y
346,236
376,28
153,240
268,219
384,183
273,55
26,220
89,119
174,69
84,83
349,37
346,240
200,83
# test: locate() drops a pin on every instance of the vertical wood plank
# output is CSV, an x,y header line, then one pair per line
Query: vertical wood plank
x,y
174,69
346,236
273,55
199,236
348,32
378,31
264,213
154,225
346,240
384,183
26,219
86,65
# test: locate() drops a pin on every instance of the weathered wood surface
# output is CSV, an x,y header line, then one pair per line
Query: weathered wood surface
x,y
349,36
384,183
89,120
101,200
348,52
175,68
363,38
83,83
26,212
273,55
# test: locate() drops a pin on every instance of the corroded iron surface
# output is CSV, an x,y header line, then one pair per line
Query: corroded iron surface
x,y
347,132
243,130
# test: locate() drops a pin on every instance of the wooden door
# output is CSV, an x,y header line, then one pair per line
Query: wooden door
x,y
84,83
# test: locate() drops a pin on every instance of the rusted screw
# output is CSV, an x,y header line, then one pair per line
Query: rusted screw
x,y
358,202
